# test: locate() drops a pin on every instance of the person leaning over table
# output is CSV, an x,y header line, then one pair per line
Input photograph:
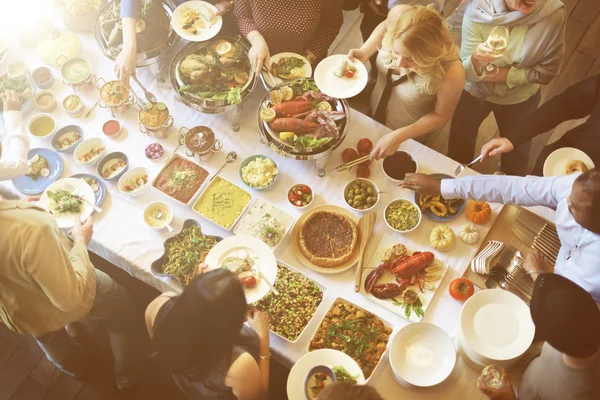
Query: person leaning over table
x,y
567,319
132,9
578,101
536,47
47,283
14,146
345,391
415,42
305,27
200,336
576,199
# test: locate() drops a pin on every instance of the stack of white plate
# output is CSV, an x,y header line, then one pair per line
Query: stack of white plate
x,y
495,328
421,355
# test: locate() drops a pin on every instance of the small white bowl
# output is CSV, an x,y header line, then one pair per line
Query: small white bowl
x,y
48,107
167,213
398,230
347,187
399,180
35,118
86,146
287,194
77,111
129,176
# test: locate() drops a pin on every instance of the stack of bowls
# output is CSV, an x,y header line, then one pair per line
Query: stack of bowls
x,y
495,328
421,355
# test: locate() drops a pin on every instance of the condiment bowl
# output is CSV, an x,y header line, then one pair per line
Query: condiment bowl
x,y
51,106
383,163
248,161
129,177
111,128
47,84
154,151
107,159
38,117
315,370
393,202
362,180
289,194
62,131
149,213
87,145
77,110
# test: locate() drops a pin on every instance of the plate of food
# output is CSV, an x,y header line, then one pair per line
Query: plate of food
x,y
184,252
288,66
196,21
22,85
325,239
266,222
567,161
437,208
302,373
180,179
338,331
339,77
44,166
251,260
296,305
59,200
402,281
96,184
222,202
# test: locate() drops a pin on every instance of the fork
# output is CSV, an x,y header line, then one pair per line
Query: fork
x,y
149,96
461,167
75,192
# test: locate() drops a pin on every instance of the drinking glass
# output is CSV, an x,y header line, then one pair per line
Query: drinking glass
x,y
498,42
493,376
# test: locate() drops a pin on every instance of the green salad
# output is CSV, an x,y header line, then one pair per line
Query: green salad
x,y
63,202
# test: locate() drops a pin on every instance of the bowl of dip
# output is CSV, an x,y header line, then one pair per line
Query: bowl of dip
x,y
396,166
152,209
43,77
41,125
45,101
76,72
67,138
89,151
113,166
111,128
73,105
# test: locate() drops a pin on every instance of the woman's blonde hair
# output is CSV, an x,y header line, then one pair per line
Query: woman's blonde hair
x,y
426,38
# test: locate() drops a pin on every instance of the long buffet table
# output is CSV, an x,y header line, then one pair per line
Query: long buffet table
x,y
121,237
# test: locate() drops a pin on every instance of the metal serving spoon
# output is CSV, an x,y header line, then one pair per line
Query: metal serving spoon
x,y
461,167
231,157
159,215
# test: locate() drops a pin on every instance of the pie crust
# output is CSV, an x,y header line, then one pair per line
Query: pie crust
x,y
328,239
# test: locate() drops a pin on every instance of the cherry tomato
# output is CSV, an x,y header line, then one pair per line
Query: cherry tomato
x,y
461,289
349,155
364,146
363,171
349,73
249,282
306,189
293,197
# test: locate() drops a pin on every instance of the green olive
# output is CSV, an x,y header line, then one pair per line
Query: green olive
x,y
351,192
370,200
358,198
364,185
370,190
357,182
308,199
355,186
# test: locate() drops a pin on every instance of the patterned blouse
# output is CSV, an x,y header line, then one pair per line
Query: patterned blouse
x,y
294,26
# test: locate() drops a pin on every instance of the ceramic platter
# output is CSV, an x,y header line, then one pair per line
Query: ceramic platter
x,y
67,220
27,185
202,34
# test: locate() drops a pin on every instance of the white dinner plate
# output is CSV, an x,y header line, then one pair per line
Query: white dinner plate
x,y
85,190
340,87
202,34
260,252
497,325
307,69
422,354
328,357
557,160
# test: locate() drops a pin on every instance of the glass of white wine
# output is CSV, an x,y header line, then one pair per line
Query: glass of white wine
x,y
498,42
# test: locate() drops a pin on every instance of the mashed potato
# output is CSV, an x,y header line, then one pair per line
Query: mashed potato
x,y
259,172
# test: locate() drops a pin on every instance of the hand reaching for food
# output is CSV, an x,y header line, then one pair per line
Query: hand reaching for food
x,y
11,101
386,146
125,62
259,52
422,183
495,147
358,54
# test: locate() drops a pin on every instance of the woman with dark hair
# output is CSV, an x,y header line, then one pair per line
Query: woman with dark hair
x,y
201,338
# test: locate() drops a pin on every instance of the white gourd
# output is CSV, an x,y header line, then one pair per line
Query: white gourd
x,y
442,238
469,233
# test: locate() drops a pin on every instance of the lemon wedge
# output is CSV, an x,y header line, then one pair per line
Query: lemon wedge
x,y
324,106
287,93
267,114
287,136
223,48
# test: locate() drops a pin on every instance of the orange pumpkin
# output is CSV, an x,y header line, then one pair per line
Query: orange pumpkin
x,y
479,212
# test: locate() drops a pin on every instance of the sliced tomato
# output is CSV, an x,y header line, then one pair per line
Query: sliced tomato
x,y
461,289
349,73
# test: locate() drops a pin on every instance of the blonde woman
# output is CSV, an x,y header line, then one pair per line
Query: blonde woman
x,y
420,76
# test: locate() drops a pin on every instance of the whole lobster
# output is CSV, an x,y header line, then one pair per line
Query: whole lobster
x,y
290,108
295,125
403,268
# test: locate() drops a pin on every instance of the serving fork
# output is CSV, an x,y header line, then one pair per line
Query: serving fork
x,y
149,96
76,193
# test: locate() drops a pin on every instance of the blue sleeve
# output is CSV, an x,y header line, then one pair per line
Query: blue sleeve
x,y
130,8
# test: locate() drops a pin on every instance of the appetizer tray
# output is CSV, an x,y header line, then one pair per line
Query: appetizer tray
x,y
296,241
431,283
386,328
291,299
258,211
171,159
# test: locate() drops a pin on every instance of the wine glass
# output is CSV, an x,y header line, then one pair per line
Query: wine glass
x,y
492,376
498,42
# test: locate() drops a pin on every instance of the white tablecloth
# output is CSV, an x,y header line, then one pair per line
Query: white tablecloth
x,y
121,237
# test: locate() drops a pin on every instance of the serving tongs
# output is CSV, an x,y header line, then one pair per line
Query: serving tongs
x,y
149,96
351,164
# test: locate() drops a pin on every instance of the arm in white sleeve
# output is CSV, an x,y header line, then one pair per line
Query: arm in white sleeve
x,y
13,160
528,191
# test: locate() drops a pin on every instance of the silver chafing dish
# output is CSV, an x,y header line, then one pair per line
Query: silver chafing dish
x,y
205,105
286,149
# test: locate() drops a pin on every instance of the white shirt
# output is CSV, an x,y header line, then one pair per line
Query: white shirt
x,y
15,146
580,250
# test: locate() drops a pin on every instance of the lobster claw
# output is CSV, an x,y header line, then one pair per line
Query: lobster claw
x,y
372,279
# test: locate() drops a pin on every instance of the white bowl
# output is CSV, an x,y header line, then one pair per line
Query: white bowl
x,y
287,195
422,354
398,230
130,176
48,108
361,180
86,146
168,213
77,111
38,116
411,156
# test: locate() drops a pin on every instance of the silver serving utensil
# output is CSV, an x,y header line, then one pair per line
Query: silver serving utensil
x,y
149,96
461,167
231,157
91,109
75,192
158,214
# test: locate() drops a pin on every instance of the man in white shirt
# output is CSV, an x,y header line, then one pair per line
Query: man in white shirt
x,y
576,199
14,146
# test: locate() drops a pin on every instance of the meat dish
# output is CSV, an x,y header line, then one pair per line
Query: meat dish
x,y
180,179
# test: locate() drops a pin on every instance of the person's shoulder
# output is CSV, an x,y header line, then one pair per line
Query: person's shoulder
x,y
454,78
244,377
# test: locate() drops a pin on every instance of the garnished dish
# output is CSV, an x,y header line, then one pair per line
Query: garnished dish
x,y
404,283
259,172
154,151
218,71
402,215
155,115
114,93
67,140
91,154
113,167
76,70
266,222
567,161
361,194
318,380
339,77
18,84
243,267
135,183
440,207
288,68
63,202
345,69
398,165
328,239
222,202
300,195
180,179
72,104
574,166
37,166
291,311
354,331
93,183
196,18
59,198
341,374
